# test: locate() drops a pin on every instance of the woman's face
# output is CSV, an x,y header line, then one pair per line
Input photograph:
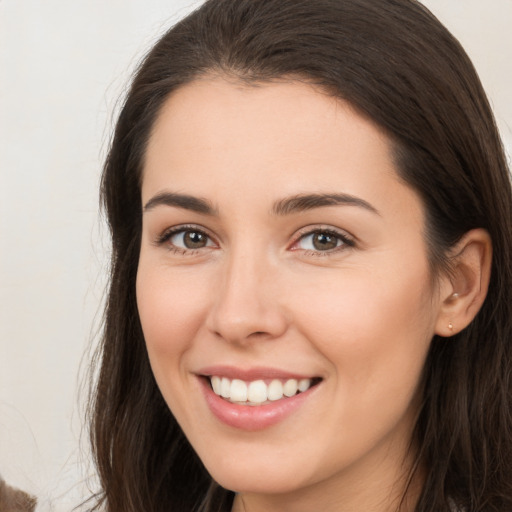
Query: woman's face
x,y
281,255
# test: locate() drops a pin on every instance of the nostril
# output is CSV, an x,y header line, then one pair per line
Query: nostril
x,y
241,323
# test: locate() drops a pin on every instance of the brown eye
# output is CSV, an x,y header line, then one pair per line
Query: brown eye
x,y
324,241
187,239
194,240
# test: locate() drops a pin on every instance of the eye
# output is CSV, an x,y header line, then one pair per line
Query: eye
x,y
186,239
322,241
189,240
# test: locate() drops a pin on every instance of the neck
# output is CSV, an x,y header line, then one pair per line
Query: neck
x,y
384,487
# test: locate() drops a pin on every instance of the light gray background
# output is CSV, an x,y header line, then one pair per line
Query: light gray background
x,y
63,66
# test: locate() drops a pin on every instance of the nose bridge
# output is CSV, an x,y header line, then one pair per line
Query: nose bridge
x,y
246,304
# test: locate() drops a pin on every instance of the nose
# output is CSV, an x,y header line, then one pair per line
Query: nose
x,y
246,306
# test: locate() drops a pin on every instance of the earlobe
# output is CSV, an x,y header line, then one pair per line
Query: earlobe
x,y
467,283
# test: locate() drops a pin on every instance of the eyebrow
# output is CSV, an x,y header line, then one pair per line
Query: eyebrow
x,y
304,202
289,205
185,201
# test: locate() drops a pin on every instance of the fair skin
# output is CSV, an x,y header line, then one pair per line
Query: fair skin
x,y
237,279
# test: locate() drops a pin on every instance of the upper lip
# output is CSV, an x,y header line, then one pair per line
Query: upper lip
x,y
252,373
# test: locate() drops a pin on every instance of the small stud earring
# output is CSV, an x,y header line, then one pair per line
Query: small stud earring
x,y
450,326
455,295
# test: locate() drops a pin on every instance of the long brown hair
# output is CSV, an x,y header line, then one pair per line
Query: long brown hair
x,y
396,64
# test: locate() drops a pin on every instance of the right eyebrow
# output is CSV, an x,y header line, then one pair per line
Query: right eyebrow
x,y
303,202
184,201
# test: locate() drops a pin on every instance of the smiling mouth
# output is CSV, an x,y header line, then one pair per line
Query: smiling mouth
x,y
258,392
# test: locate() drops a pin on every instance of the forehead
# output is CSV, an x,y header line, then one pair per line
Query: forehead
x,y
270,140
296,111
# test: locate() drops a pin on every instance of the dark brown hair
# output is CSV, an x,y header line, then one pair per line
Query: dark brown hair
x,y
397,65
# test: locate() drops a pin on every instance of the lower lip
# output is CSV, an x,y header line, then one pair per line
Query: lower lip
x,y
253,417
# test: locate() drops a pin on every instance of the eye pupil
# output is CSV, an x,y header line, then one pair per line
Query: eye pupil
x,y
194,240
324,241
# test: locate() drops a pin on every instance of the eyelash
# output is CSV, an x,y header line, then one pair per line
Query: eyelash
x,y
345,240
169,233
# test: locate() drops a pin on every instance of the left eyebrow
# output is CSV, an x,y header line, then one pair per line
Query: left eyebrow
x,y
185,201
303,202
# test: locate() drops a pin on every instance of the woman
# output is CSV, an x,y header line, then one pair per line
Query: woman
x,y
309,305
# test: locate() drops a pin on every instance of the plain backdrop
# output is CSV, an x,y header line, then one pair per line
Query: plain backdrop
x,y
63,67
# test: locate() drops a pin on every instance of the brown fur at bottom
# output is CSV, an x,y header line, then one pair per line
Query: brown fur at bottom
x,y
14,500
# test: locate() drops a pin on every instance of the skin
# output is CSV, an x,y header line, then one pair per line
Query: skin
x,y
360,316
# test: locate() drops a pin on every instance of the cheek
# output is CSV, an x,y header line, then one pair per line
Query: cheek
x,y
375,336
171,309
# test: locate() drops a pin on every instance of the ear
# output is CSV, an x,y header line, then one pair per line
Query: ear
x,y
464,288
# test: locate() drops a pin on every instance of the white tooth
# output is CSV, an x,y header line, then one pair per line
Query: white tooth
x,y
238,392
216,384
275,390
225,386
257,391
304,385
290,387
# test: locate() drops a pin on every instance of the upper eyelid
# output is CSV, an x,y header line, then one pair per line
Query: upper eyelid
x,y
309,230
173,230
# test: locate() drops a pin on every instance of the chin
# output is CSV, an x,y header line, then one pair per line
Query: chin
x,y
254,483
259,477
